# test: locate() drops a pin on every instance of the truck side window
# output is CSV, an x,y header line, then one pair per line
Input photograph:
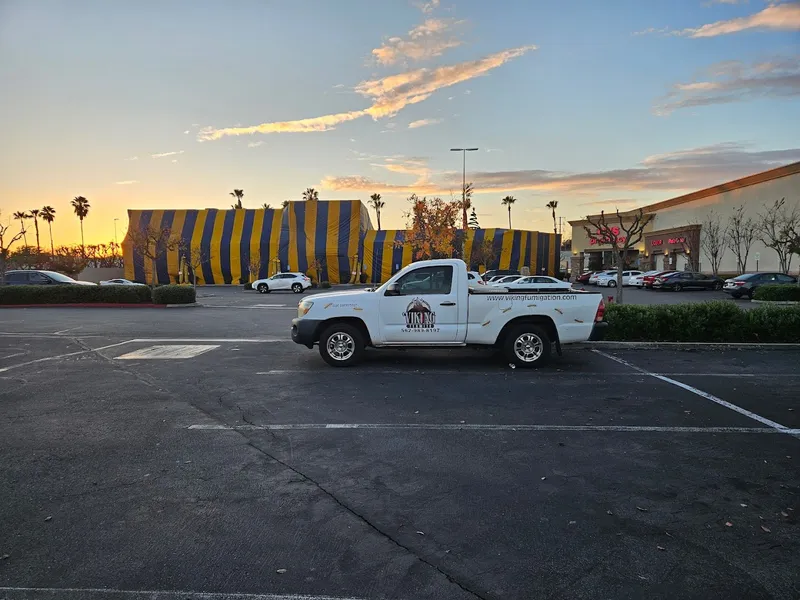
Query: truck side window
x,y
427,280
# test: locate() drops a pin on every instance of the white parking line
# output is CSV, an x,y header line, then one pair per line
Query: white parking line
x,y
24,592
489,427
536,374
702,394
49,358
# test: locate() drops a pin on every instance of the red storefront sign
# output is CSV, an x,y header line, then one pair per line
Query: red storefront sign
x,y
677,240
606,238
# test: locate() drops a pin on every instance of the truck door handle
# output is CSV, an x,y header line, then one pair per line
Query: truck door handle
x,y
447,304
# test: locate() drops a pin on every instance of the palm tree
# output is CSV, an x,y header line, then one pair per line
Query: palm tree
x,y
80,206
553,205
376,203
266,206
22,216
35,214
508,201
238,194
310,194
49,215
285,204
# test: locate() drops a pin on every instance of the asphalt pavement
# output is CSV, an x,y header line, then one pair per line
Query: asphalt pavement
x,y
198,453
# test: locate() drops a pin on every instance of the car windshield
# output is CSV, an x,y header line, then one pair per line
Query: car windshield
x,y
58,277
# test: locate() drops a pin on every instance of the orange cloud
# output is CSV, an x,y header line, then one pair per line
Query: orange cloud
x,y
389,94
782,17
425,41
423,123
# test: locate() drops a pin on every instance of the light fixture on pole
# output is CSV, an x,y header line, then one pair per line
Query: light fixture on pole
x,y
464,177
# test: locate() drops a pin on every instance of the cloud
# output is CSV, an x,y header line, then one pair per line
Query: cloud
x,y
163,154
614,202
174,160
428,7
127,182
255,144
186,132
132,158
712,2
779,17
689,169
734,81
651,30
423,123
425,41
389,95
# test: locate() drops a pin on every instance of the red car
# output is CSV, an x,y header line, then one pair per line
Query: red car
x,y
584,278
649,279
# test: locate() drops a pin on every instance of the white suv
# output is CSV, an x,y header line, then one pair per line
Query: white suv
x,y
296,282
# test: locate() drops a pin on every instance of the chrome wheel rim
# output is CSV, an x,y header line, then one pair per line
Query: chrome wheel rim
x,y
528,347
341,346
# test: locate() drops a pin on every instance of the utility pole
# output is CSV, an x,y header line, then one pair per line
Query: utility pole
x,y
464,177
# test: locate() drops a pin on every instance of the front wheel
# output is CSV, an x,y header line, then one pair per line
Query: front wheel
x,y
612,283
717,286
263,288
677,287
527,346
341,345
297,288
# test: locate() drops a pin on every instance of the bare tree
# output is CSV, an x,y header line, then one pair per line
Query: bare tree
x,y
254,266
153,242
713,240
742,233
196,257
620,236
774,227
7,239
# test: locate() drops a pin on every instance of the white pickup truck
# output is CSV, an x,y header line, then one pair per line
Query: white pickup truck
x,y
429,304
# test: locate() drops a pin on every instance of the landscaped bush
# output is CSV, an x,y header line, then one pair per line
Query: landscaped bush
x,y
248,285
777,293
325,285
74,294
702,322
174,294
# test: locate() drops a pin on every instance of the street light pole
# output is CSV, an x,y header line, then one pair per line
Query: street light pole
x,y
115,231
464,177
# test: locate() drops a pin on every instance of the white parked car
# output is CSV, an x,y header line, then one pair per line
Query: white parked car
x,y
295,282
120,282
595,276
537,282
638,280
474,278
503,281
610,279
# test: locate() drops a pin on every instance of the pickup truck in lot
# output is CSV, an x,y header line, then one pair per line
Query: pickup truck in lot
x,y
429,304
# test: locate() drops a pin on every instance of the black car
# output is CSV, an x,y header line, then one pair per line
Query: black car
x,y
687,280
498,272
31,277
745,285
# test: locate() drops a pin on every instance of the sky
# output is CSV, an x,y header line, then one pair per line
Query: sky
x,y
151,104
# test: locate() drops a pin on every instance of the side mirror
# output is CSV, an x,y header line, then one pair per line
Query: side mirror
x,y
393,290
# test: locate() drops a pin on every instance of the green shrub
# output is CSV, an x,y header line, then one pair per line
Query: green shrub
x,y
248,286
702,322
325,285
174,294
777,293
74,294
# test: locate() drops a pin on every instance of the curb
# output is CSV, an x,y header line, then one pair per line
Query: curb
x,y
777,302
99,305
192,305
690,345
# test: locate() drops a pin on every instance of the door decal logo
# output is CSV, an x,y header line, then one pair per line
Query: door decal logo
x,y
419,316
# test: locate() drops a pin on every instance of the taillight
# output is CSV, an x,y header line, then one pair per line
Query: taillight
x,y
739,282
601,310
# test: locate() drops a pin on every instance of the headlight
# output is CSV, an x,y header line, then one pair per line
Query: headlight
x,y
304,307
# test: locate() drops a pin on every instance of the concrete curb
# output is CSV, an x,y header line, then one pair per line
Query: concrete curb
x,y
777,302
192,305
100,305
688,345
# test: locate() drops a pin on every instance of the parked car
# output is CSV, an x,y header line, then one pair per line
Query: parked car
x,y
610,279
501,281
595,276
537,282
649,279
121,282
33,277
745,285
584,277
474,278
687,280
296,282
498,272
638,280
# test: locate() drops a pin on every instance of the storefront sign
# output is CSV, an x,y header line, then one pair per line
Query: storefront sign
x,y
606,236
677,240
656,242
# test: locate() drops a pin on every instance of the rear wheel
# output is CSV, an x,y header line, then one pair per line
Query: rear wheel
x,y
612,283
263,288
527,346
341,345
297,288
717,286
677,287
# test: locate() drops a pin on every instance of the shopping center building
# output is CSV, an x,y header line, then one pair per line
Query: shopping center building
x,y
672,238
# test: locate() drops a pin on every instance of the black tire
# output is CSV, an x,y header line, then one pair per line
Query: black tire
x,y
349,338
612,283
515,342
677,287
717,286
749,294
297,288
263,288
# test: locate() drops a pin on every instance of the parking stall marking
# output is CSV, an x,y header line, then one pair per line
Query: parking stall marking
x,y
488,427
167,352
59,356
702,394
25,593
537,374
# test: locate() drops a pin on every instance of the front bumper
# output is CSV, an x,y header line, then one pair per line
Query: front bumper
x,y
598,331
305,331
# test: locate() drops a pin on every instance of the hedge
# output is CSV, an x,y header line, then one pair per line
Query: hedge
x,y
74,294
174,294
777,293
325,285
702,322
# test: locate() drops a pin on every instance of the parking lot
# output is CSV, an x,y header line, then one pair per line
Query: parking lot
x,y
198,453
